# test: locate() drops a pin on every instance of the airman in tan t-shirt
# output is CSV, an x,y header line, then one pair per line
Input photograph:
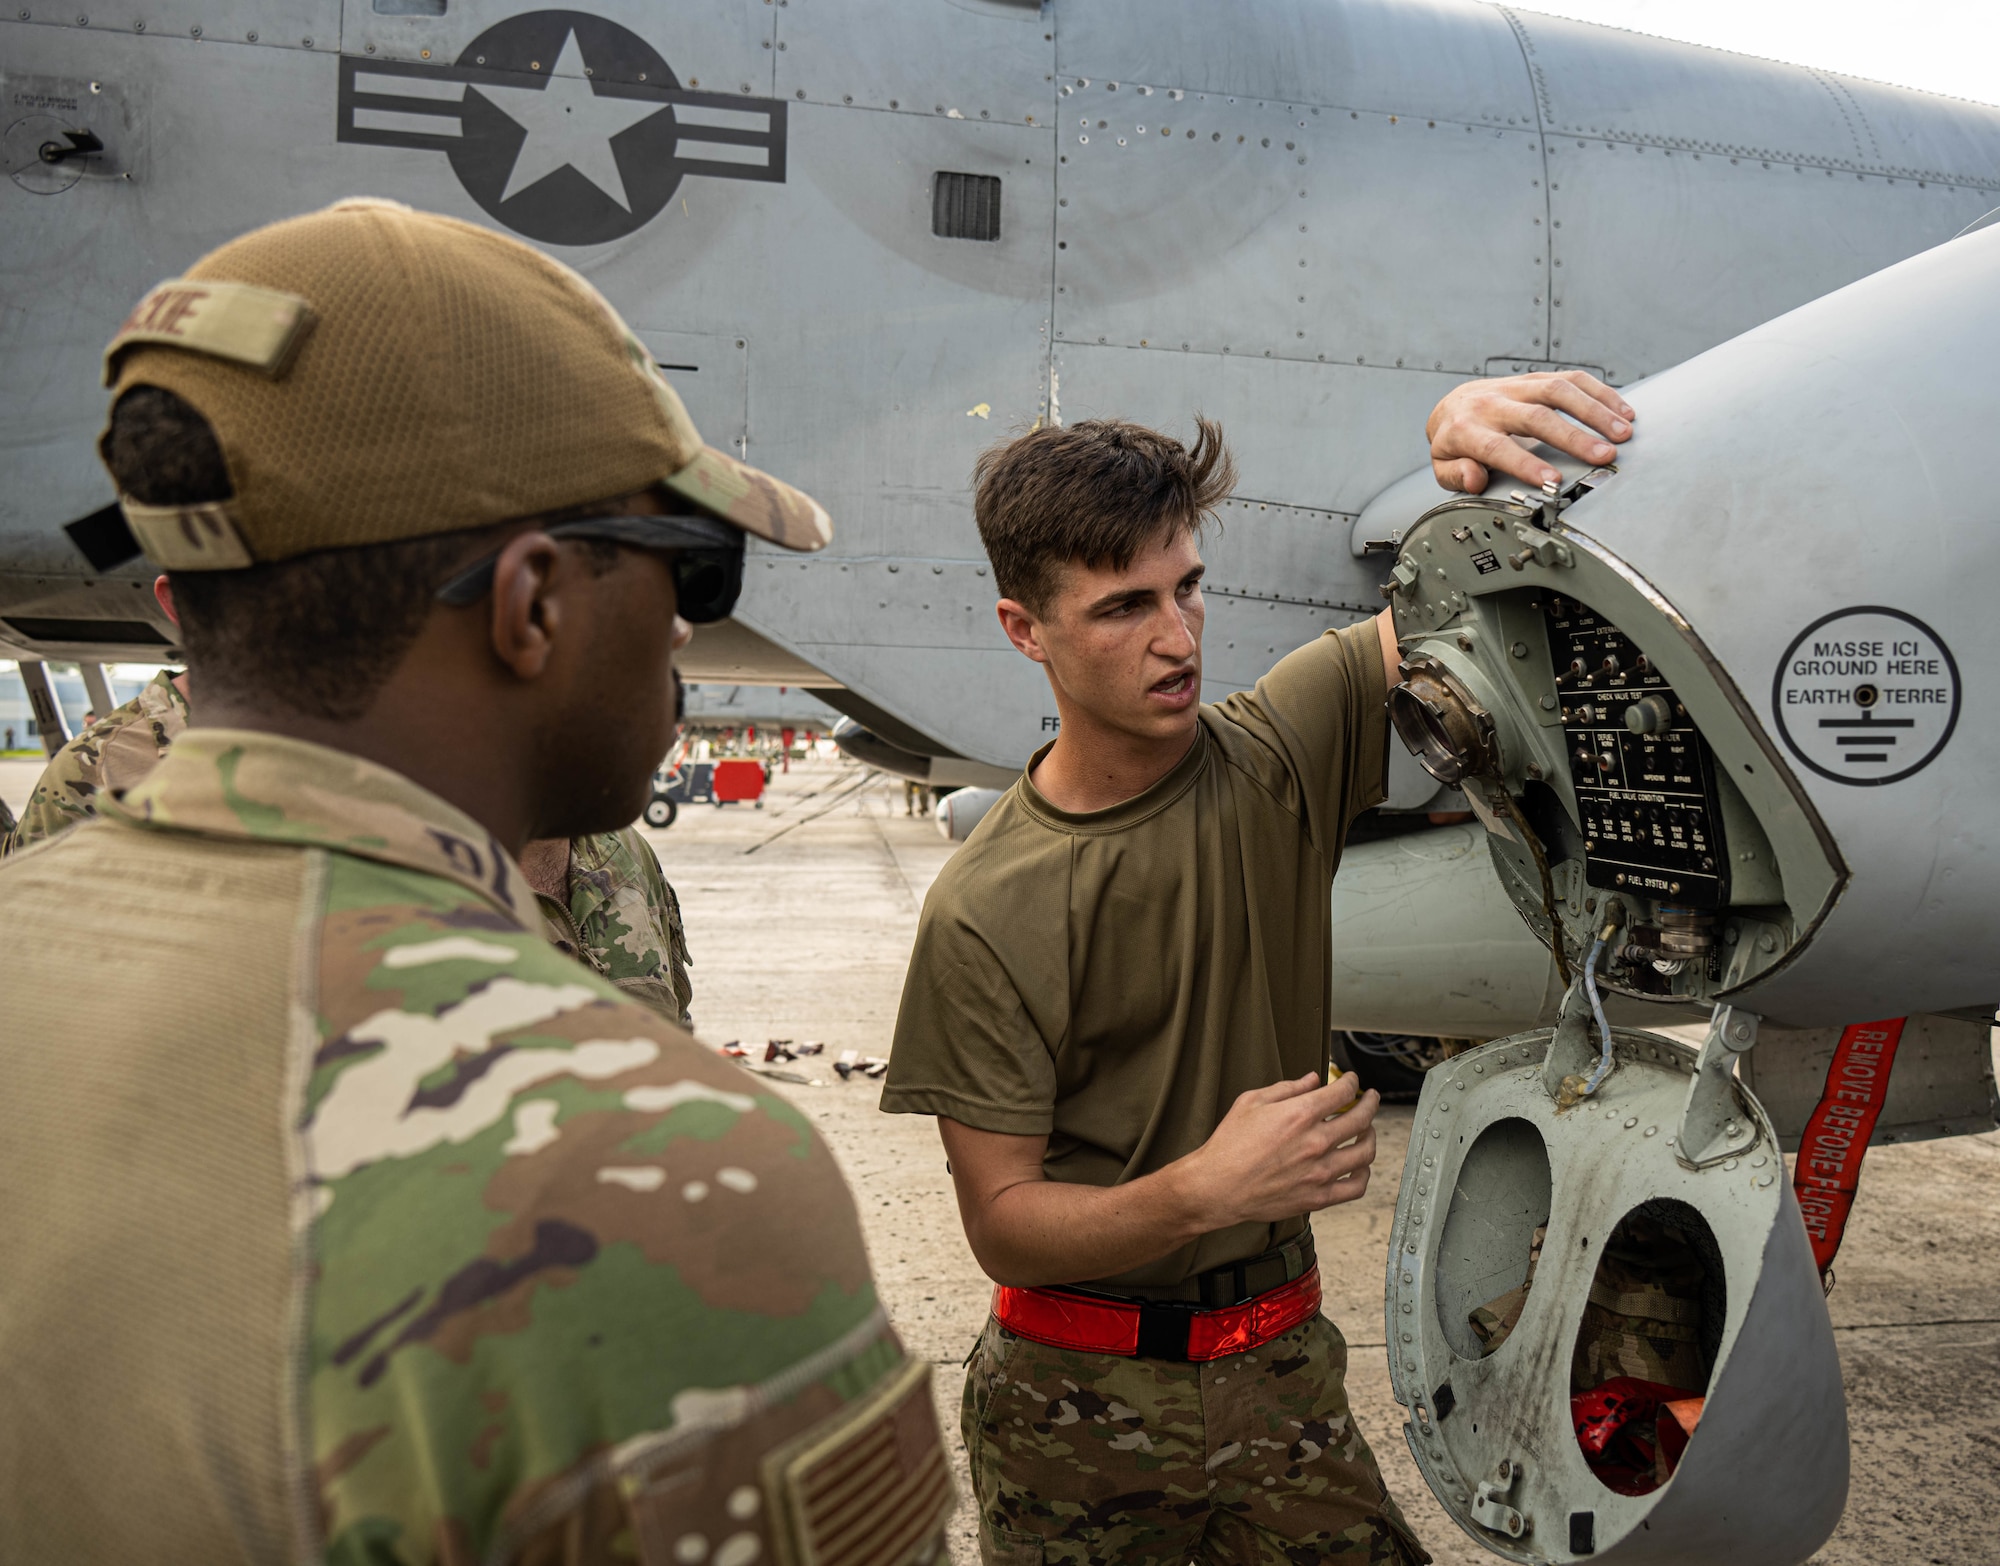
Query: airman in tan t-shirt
x,y
1114,979
1118,1008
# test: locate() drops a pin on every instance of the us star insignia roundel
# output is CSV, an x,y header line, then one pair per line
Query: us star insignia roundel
x,y
567,128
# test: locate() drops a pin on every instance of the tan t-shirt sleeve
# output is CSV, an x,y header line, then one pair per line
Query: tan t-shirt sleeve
x,y
1321,712
966,1044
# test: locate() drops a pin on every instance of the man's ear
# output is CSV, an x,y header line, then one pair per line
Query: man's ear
x,y
527,609
163,595
1023,628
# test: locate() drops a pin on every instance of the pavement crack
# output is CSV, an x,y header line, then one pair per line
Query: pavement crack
x,y
909,889
832,804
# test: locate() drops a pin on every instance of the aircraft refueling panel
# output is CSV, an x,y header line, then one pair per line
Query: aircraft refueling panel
x,y
1643,776
1576,1191
1720,717
1635,809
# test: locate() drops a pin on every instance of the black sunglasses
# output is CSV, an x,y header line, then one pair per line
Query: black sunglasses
x,y
707,560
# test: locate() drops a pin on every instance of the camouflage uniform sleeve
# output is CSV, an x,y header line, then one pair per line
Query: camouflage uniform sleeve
x,y
66,792
581,1290
630,921
114,752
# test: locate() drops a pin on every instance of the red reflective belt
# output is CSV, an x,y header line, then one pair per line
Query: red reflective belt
x,y
1104,1326
1836,1137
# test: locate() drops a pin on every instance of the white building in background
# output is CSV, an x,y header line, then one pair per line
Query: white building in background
x,y
18,729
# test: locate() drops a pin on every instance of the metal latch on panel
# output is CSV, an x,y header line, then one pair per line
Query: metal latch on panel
x,y
1489,1502
1532,533
1714,1125
1402,578
81,144
1539,548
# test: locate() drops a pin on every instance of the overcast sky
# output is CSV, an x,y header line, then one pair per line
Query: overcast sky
x,y
1948,46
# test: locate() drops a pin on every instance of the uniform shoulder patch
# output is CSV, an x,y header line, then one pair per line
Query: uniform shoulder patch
x,y
869,1484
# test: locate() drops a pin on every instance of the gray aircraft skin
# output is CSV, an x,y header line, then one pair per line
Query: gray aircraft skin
x,y
1306,218
868,238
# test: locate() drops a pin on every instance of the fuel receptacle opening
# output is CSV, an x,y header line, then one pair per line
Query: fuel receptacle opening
x,y
1493,1232
1663,1297
1647,1345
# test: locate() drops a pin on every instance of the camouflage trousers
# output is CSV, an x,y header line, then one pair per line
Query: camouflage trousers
x,y
1099,1460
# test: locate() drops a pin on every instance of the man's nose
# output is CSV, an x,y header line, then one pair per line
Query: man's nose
x,y
682,634
1177,638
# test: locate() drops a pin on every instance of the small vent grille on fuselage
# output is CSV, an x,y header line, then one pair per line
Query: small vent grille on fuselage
x,y
965,206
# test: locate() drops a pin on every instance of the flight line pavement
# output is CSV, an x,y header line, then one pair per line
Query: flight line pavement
x,y
800,917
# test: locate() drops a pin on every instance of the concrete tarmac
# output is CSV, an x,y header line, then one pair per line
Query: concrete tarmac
x,y
800,916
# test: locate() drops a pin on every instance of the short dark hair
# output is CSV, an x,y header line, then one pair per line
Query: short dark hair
x,y
1096,492
320,633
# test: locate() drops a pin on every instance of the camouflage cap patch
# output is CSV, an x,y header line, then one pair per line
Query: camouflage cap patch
x,y
188,538
260,327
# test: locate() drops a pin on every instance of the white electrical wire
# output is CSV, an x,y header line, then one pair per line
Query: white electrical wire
x,y
1597,1010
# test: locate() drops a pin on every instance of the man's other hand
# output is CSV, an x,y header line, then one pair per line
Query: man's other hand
x,y
1472,428
1290,1148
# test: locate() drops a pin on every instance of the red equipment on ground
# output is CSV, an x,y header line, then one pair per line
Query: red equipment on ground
x,y
738,781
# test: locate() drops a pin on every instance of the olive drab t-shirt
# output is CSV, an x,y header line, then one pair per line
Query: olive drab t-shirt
x,y
1115,979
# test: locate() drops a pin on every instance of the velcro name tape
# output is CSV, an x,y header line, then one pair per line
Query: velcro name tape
x,y
260,327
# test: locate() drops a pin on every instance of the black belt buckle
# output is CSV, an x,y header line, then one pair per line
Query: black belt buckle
x,y
1163,1330
1254,1275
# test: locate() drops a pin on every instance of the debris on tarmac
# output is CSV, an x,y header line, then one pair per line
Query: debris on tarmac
x,y
777,1074
852,1061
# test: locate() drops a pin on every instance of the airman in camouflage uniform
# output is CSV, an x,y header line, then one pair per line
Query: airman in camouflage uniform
x,y
638,1268
111,755
622,917
625,921
347,1220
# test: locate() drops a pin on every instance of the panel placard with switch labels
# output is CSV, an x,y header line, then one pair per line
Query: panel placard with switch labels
x,y
1604,750
1644,777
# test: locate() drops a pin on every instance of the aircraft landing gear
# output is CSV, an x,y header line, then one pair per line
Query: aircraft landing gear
x,y
1393,1064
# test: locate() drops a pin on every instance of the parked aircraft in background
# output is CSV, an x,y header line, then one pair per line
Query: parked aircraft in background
x,y
714,706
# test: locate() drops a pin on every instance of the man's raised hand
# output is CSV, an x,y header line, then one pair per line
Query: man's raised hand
x,y
1472,428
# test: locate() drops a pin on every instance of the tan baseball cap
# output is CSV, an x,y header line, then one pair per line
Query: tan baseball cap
x,y
375,373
